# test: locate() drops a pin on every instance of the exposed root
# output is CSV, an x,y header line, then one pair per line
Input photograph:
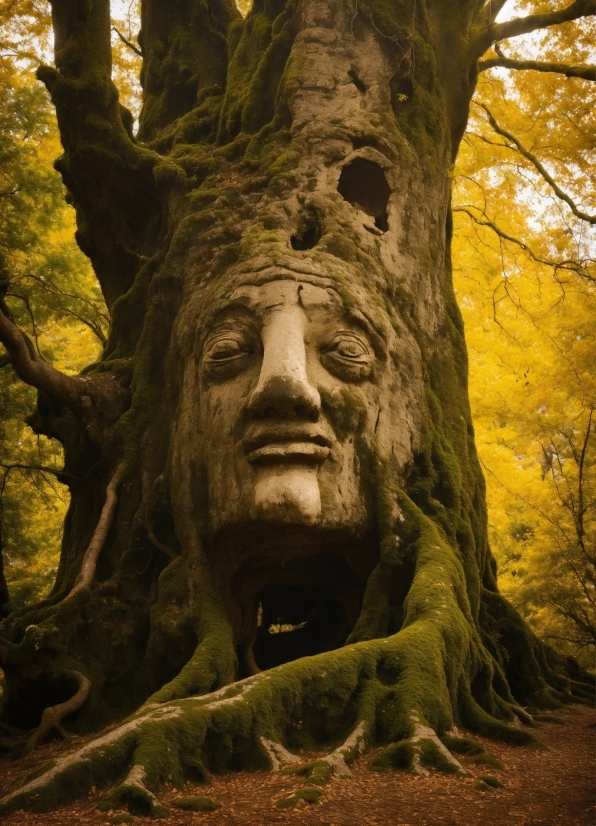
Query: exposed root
x,y
278,755
343,756
522,715
87,572
53,715
419,754
424,733
135,793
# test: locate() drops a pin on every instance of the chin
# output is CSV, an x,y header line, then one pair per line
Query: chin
x,y
287,494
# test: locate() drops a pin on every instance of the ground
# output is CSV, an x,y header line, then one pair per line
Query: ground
x,y
540,788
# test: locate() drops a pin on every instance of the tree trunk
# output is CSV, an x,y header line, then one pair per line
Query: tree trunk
x,y
282,403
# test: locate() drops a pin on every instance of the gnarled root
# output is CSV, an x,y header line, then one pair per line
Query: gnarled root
x,y
278,755
419,754
134,793
319,772
52,716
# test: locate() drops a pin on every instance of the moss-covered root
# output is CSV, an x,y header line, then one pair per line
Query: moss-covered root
x,y
195,804
134,793
318,772
301,797
472,750
419,754
278,755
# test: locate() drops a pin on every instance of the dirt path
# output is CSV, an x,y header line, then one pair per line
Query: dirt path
x,y
552,788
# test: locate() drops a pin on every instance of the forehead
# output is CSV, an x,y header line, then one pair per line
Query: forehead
x,y
263,298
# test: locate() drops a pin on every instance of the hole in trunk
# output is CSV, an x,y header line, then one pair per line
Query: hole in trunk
x,y
364,185
297,621
356,81
307,239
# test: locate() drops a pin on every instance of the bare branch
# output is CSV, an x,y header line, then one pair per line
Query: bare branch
x,y
87,572
591,219
573,266
35,370
127,42
524,25
583,72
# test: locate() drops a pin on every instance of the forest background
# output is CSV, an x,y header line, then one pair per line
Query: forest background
x,y
525,275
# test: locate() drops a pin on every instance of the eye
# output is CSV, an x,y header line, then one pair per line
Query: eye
x,y
225,353
226,346
349,356
349,346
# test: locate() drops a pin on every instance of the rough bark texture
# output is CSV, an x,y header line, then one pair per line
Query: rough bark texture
x,y
308,145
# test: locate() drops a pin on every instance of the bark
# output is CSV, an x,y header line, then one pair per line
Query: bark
x,y
295,162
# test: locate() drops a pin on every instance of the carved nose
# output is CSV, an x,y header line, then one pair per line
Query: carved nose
x,y
285,397
283,390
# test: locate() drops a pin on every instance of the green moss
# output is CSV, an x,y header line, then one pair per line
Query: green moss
x,y
309,795
399,756
431,757
486,781
195,804
548,718
318,772
41,770
471,749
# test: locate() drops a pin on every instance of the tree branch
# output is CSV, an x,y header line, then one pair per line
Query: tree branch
x,y
127,42
584,216
91,398
525,25
35,370
485,221
584,72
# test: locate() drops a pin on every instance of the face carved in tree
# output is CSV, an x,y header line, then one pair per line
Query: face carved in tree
x,y
287,391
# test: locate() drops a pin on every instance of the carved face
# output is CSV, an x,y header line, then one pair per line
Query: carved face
x,y
289,398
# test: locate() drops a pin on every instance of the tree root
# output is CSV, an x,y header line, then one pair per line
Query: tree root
x,y
104,523
135,793
523,716
53,715
419,754
278,755
318,772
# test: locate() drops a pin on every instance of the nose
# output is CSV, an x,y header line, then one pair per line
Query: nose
x,y
283,390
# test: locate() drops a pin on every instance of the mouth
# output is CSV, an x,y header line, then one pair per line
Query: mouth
x,y
287,445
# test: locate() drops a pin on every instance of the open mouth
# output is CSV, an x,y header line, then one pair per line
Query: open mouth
x,y
288,445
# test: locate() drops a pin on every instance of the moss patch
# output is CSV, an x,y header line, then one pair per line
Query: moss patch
x,y
195,804
307,794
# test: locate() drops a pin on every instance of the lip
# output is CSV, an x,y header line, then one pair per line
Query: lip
x,y
286,444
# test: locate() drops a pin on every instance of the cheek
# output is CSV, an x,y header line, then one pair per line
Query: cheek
x,y
350,408
222,407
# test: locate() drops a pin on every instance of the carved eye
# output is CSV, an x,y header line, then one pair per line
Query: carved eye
x,y
226,346
349,356
225,354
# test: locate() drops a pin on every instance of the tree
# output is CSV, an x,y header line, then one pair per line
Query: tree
x,y
277,435
53,295
525,269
